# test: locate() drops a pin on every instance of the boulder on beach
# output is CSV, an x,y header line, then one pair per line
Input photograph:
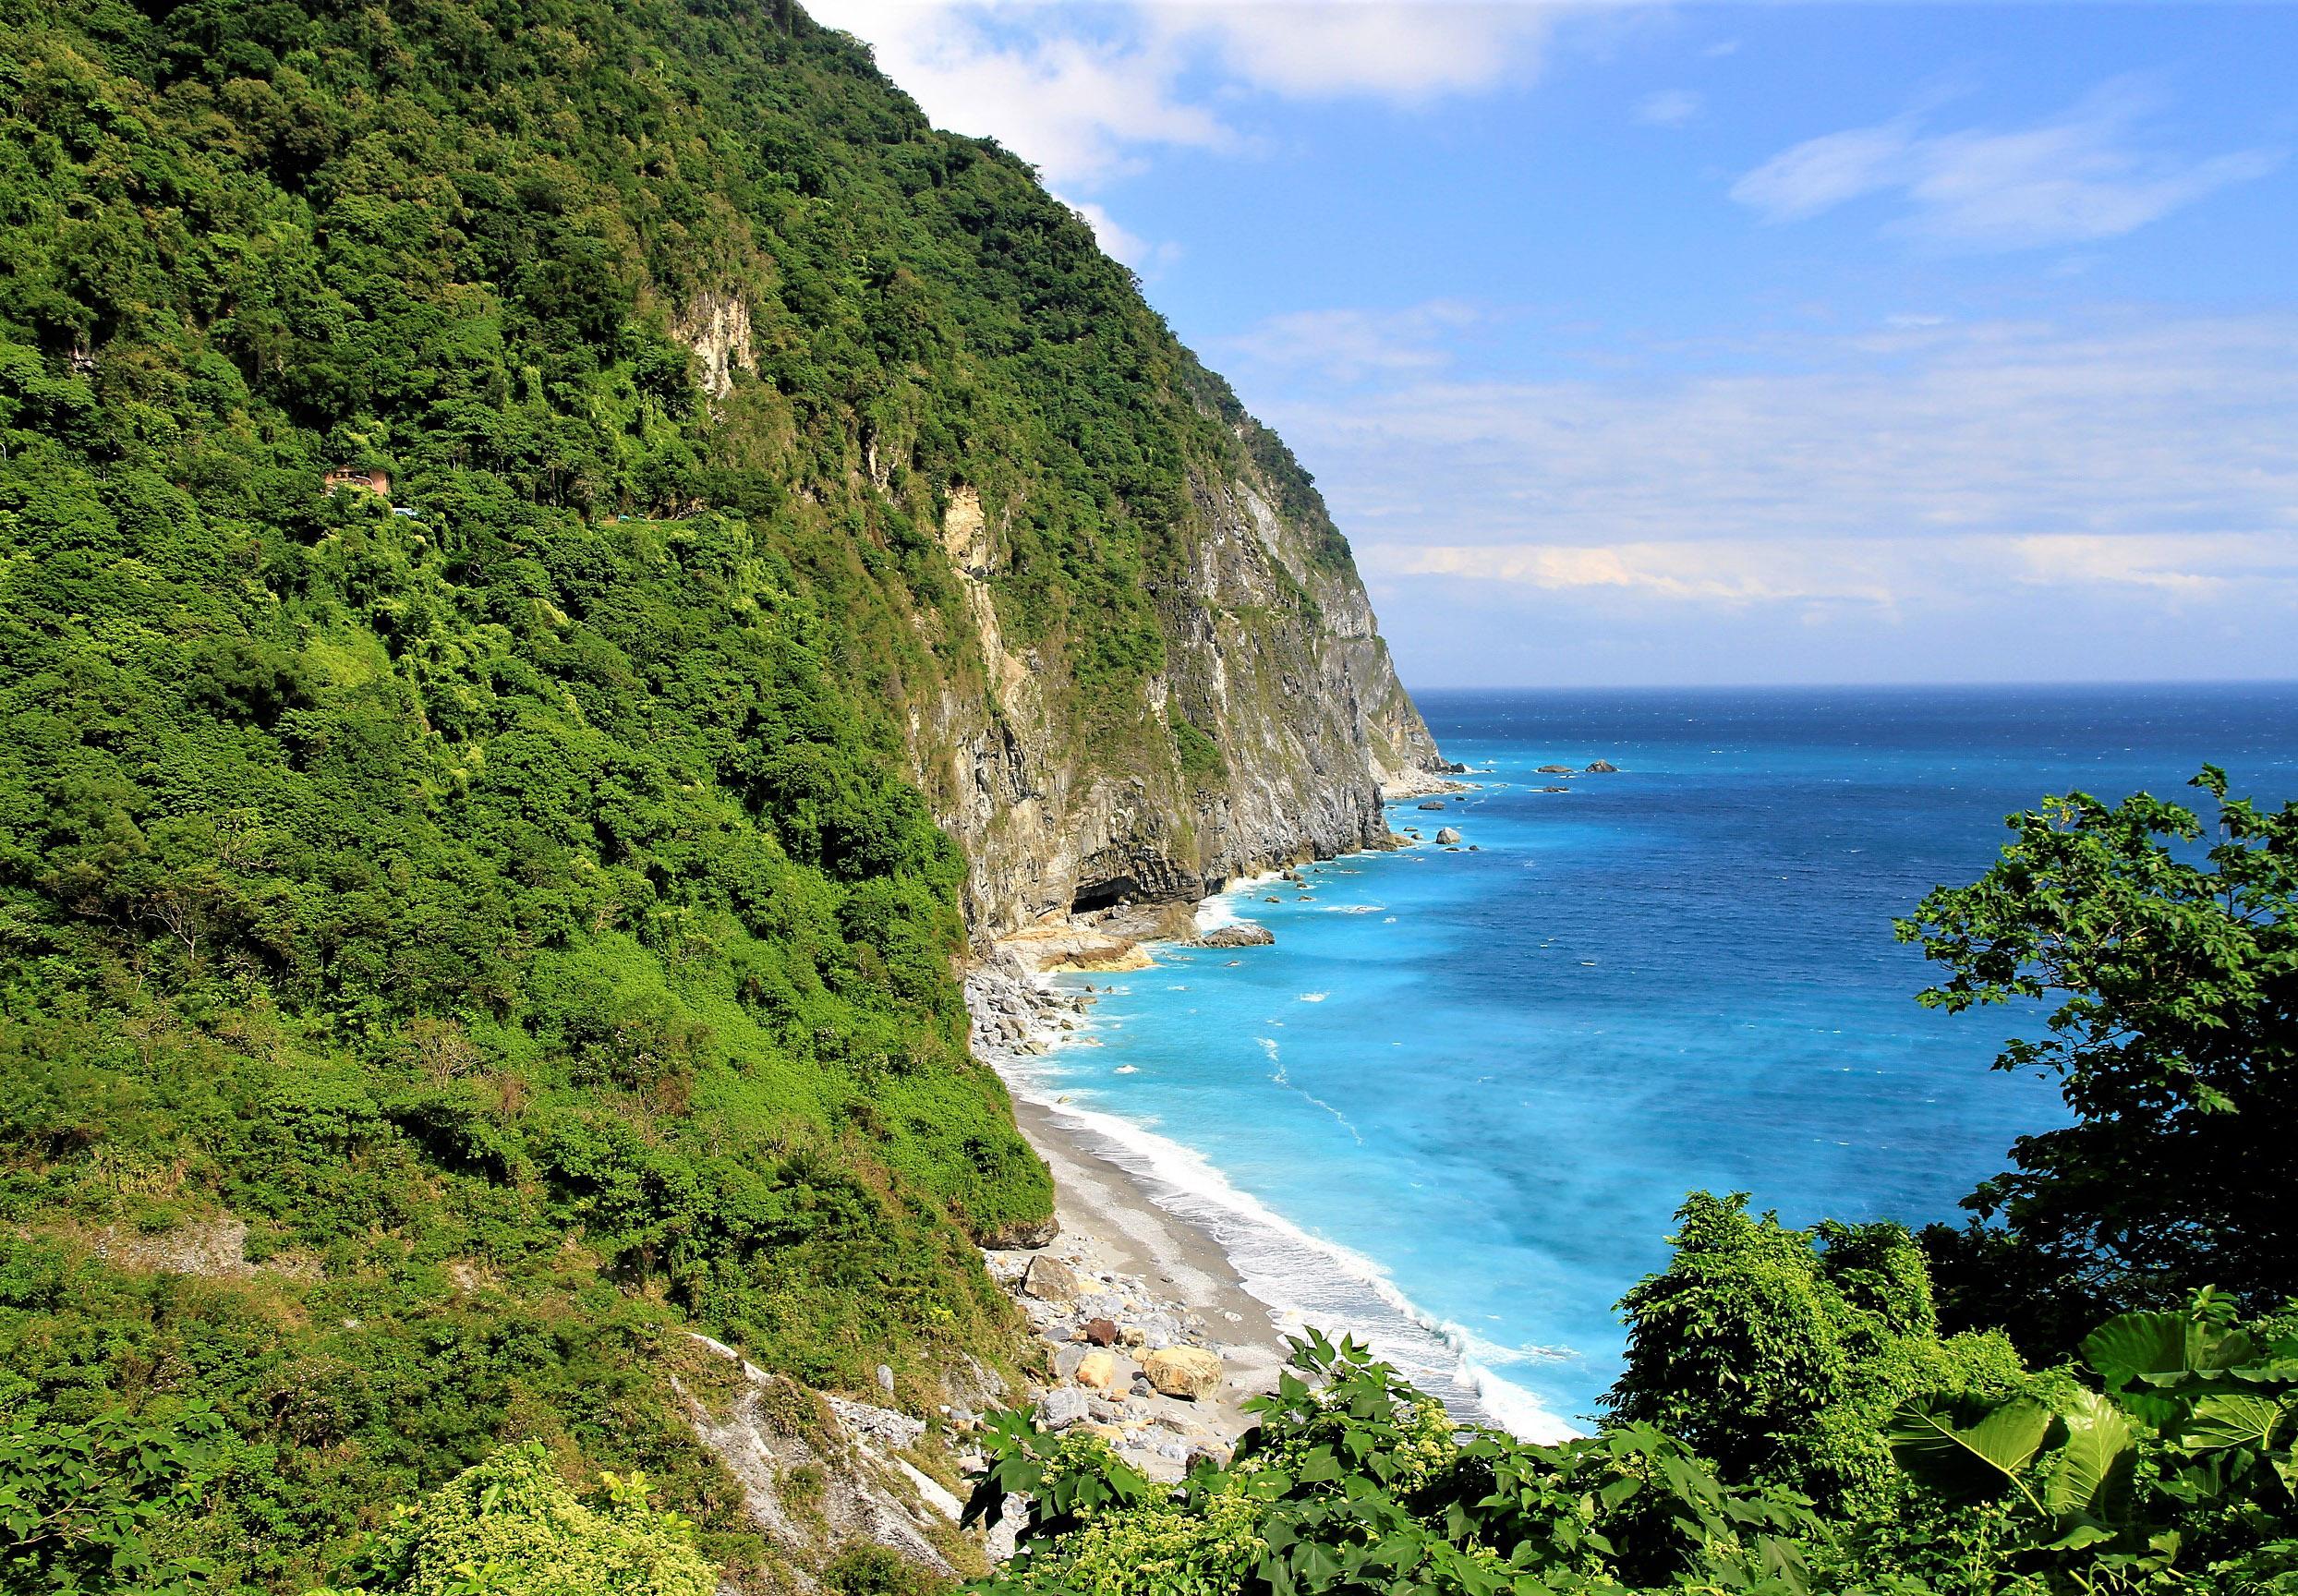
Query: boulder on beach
x,y
1448,836
1601,767
1189,1371
1030,1234
1098,1372
1100,1331
1050,1280
1238,937
1061,1407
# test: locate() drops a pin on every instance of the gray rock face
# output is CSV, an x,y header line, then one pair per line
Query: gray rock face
x,y
866,1494
1448,836
1271,653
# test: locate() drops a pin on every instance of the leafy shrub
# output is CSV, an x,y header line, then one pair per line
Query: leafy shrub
x,y
98,1507
511,1527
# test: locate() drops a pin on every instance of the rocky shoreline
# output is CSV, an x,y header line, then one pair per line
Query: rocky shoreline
x,y
1151,1341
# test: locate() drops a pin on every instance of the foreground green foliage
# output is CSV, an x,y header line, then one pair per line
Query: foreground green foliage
x,y
1779,1354
1352,1480
511,1527
108,1505
2164,1464
2175,1040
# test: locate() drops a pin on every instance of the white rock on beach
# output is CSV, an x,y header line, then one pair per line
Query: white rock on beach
x,y
1061,1408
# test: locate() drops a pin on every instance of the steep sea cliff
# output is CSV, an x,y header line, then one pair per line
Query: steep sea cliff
x,y
1271,663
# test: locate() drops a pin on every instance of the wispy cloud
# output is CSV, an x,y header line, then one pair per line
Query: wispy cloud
x,y
2151,455
1668,108
1349,345
1395,51
1878,572
2083,176
1082,100
1084,90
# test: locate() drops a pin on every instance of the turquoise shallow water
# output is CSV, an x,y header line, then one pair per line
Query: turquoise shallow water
x,y
1455,1106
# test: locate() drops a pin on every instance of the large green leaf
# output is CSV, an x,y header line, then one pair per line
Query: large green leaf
x,y
2133,1344
2232,1419
2094,1464
1968,1452
2159,1347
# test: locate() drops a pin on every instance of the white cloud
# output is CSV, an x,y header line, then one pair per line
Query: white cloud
x,y
1081,100
1876,572
1349,345
1400,50
2151,456
2078,178
1120,242
1668,108
1082,90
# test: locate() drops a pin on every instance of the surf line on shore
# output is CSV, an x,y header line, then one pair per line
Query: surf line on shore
x,y
1306,1279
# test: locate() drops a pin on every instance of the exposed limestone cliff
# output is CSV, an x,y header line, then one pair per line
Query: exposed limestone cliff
x,y
1273,660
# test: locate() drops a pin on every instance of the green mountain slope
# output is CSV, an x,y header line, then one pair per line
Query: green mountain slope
x,y
452,935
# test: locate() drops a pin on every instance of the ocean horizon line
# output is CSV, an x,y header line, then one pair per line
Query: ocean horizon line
x,y
2178,683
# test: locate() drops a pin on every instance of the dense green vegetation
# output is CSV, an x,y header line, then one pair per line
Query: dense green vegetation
x,y
446,955
2162,1462
2175,1040
1800,1411
451,942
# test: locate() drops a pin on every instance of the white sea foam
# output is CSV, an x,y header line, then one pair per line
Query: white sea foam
x,y
1313,997
1225,907
1307,1278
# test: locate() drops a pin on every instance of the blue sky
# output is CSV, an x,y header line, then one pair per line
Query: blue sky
x,y
1641,343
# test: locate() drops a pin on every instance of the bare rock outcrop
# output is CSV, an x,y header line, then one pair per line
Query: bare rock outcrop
x,y
1272,658
820,1474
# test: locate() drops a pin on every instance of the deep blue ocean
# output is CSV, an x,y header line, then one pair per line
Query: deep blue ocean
x,y
1454,1108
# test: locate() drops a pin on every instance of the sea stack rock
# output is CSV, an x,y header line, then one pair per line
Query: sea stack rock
x,y
1430,805
1237,936
1601,767
1448,836
1557,770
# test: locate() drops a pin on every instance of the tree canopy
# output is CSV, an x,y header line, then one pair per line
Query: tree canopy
x,y
2166,940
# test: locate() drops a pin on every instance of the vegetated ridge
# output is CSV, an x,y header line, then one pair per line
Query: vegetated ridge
x,y
561,560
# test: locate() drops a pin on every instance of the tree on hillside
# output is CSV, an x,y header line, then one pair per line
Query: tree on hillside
x,y
2175,1042
1777,1354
